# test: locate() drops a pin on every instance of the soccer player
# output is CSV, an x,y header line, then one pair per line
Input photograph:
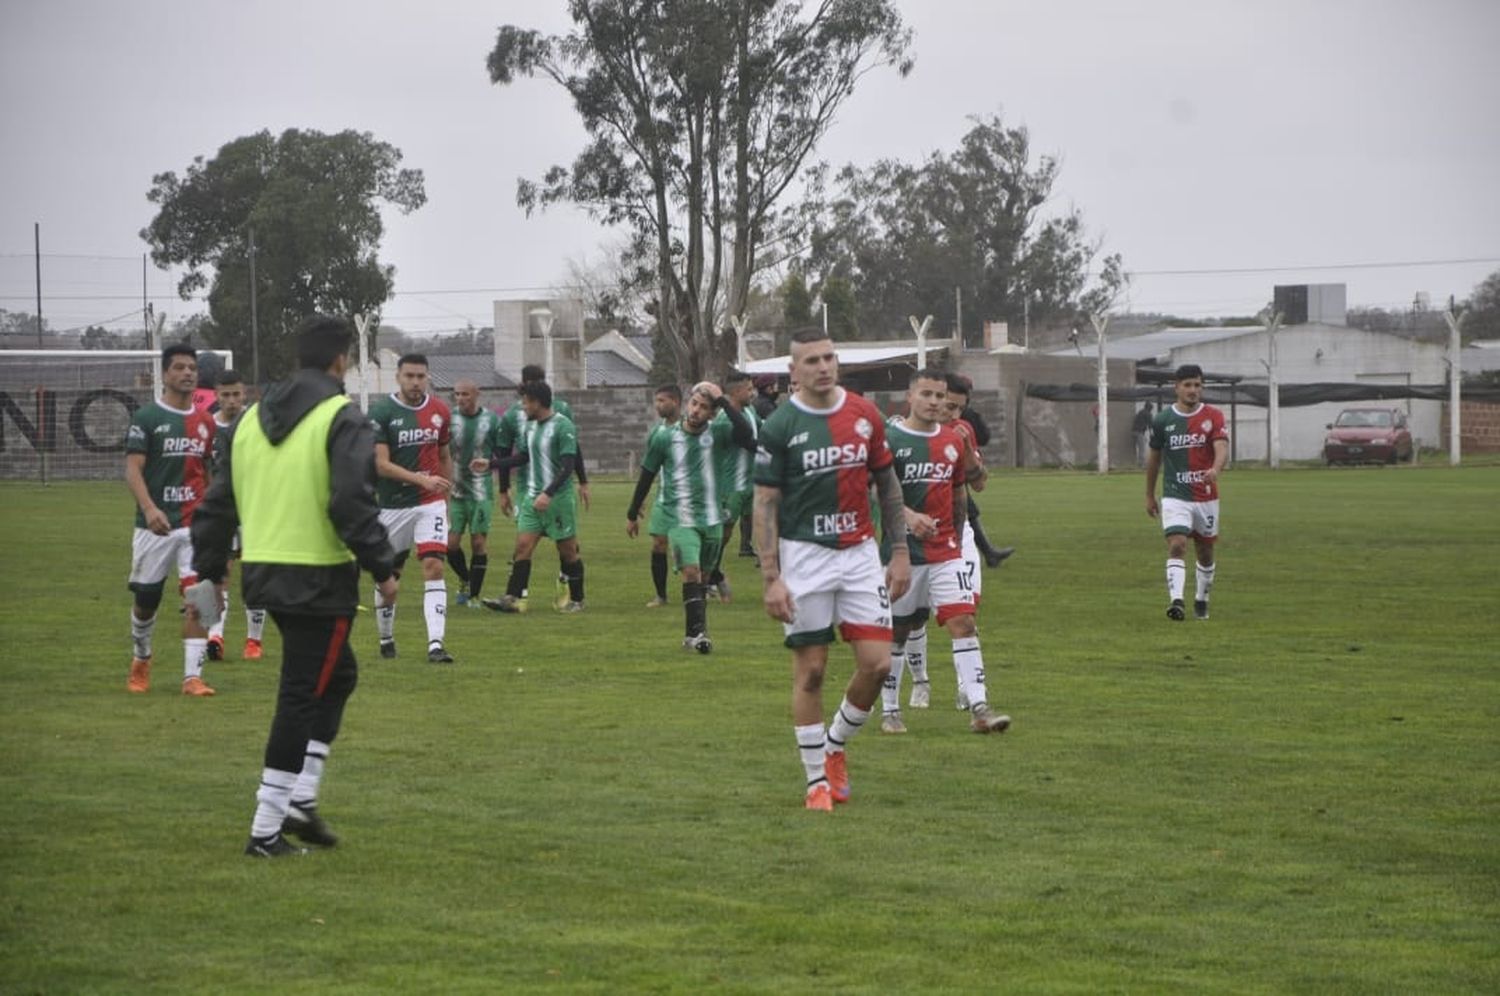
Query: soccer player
x,y
167,449
689,457
929,460
413,458
476,440
1191,440
818,557
668,403
511,426
549,458
736,472
298,475
229,394
962,388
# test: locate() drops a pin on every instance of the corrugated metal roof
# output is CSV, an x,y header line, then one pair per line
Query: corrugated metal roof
x,y
1156,346
445,370
607,369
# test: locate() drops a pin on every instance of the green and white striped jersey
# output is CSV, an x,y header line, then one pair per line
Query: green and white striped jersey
x,y
546,443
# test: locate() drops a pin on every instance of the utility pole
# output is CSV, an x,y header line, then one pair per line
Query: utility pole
x,y
1455,322
958,315
254,320
1101,326
920,328
1026,321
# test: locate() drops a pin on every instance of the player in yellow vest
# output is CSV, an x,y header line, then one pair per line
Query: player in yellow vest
x,y
297,476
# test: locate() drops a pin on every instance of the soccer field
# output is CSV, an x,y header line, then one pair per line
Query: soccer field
x,y
1299,795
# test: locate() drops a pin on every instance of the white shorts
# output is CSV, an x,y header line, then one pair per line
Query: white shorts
x,y
944,586
972,563
844,586
423,526
1199,519
151,557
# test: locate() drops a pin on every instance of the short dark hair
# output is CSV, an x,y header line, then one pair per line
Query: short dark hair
x,y
177,349
736,377
670,389
230,377
927,373
1188,371
539,391
813,334
959,384
321,339
531,373
413,358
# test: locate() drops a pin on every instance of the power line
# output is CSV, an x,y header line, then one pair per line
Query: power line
x,y
1301,269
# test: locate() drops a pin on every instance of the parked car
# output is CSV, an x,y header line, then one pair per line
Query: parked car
x,y
1368,435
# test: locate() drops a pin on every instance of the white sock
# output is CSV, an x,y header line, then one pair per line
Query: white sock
x,y
305,794
846,723
271,801
969,663
140,636
890,690
194,649
916,654
255,623
385,618
811,744
217,629
435,608
1203,579
1176,578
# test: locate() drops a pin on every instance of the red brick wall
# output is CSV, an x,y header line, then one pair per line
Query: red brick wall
x,y
1478,428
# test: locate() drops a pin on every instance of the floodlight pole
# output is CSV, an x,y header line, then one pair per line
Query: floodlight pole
x,y
741,352
1273,394
362,326
1455,381
544,318
254,320
1101,327
920,328
153,341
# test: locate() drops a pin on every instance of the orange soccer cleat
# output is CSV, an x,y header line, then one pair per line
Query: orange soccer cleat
x,y
835,766
196,687
819,798
252,650
140,675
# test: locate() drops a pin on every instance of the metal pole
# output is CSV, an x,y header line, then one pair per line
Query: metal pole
x,y
254,320
1026,322
37,232
1455,382
741,351
1101,325
921,330
544,318
362,324
153,337
825,319
1273,394
958,315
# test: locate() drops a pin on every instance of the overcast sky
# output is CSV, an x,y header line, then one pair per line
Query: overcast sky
x,y
1195,135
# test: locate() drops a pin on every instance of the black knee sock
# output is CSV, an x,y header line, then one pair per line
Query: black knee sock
x,y
520,577
659,574
574,571
457,562
477,570
694,607
745,536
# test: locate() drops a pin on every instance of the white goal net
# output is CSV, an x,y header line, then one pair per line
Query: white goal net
x,y
63,413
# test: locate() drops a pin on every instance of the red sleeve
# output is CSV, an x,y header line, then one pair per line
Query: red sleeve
x,y
880,448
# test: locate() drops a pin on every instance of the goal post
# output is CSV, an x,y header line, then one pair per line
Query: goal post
x,y
64,412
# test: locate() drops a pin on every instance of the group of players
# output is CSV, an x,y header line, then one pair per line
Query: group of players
x,y
801,481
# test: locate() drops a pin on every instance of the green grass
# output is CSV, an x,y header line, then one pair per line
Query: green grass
x,y
1301,795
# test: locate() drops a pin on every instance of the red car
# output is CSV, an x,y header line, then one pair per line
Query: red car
x,y
1368,435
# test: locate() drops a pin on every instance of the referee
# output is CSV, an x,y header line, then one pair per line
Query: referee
x,y
298,479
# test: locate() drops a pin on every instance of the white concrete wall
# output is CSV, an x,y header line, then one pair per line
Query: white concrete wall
x,y
1311,353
